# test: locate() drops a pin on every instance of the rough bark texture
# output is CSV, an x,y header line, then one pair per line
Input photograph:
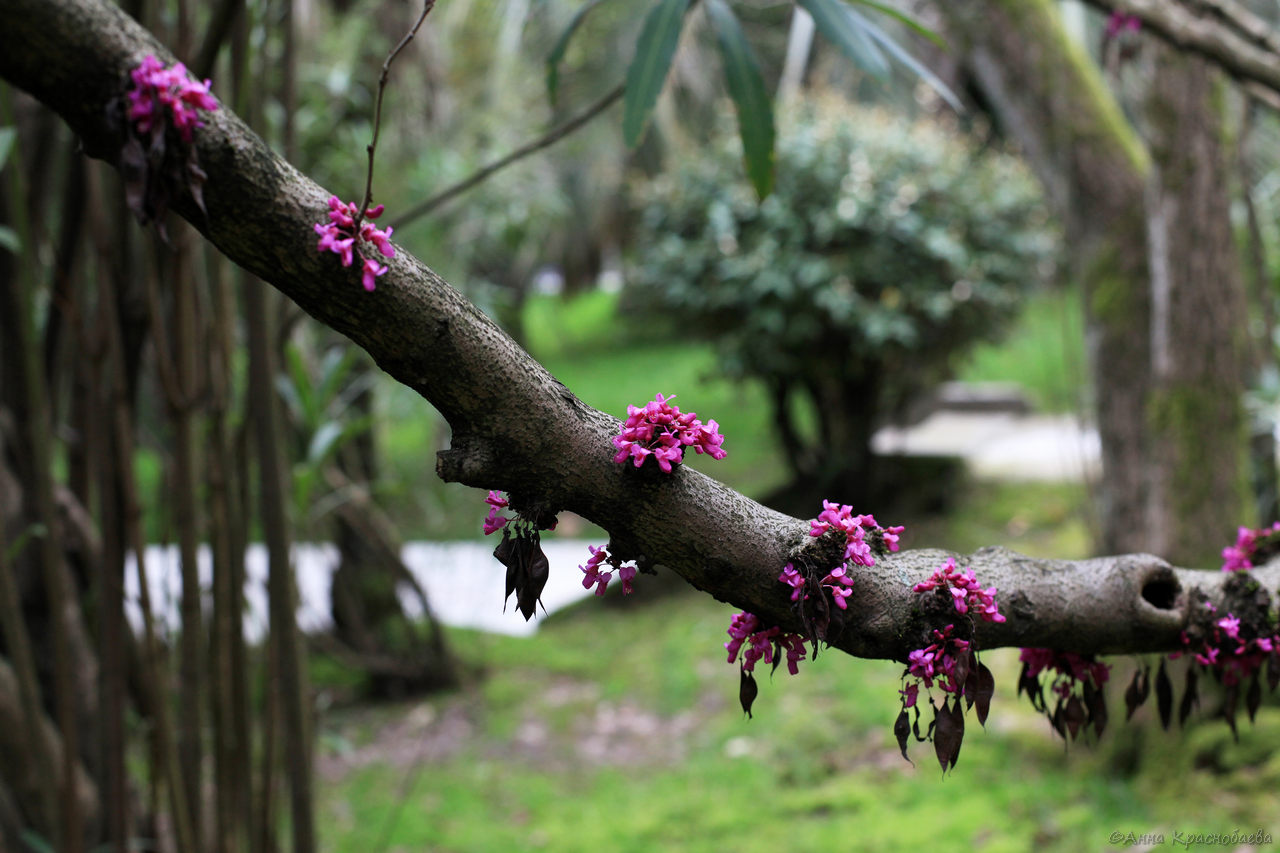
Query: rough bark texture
x,y
516,428
1050,98
1198,324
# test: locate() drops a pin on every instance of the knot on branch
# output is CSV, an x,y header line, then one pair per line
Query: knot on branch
x,y
470,461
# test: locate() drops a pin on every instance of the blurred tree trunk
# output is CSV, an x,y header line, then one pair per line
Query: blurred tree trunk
x,y
1198,327
1049,96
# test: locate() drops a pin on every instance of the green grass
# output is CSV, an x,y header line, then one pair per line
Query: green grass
x,y
1043,352
619,730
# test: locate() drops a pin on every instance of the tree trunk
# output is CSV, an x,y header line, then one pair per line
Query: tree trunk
x,y
1050,97
1198,327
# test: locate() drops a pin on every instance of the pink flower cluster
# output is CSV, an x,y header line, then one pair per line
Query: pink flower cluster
x,y
157,89
1236,658
745,628
338,235
1070,668
857,549
658,429
1239,556
495,522
1119,22
837,582
592,576
936,662
966,593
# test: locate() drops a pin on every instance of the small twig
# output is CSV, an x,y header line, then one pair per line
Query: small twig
x,y
554,135
427,6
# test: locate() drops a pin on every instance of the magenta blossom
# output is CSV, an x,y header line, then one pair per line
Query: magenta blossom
x,y
660,430
744,629
966,593
158,91
593,576
338,235
495,522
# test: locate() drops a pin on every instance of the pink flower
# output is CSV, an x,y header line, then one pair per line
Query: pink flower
x,y
910,694
660,430
744,629
495,522
793,579
157,90
370,273
338,236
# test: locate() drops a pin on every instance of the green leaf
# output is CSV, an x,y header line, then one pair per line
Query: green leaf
x,y
900,53
8,135
746,87
905,19
9,240
648,70
846,29
561,45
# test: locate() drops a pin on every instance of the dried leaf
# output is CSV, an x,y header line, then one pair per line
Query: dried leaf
x,y
985,689
195,179
1164,695
1073,716
1190,696
1253,698
1136,693
504,554
747,691
1095,702
1230,697
902,730
534,578
947,736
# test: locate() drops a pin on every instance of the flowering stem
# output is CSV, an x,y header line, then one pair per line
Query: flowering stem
x,y
427,6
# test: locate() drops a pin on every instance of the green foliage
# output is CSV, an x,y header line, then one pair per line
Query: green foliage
x,y
647,73
886,248
746,87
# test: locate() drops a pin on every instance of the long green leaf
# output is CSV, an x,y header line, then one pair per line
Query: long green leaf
x,y
905,19
7,137
562,44
648,70
746,87
900,53
838,23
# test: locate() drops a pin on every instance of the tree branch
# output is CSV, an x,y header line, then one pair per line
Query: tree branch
x,y
517,429
1222,31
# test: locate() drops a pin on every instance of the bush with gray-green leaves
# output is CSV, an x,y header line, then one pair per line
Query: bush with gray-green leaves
x,y
886,249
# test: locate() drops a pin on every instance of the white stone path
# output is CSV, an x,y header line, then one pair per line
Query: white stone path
x,y
464,583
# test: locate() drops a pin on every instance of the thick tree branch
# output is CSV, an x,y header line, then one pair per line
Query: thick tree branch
x,y
517,429
1222,31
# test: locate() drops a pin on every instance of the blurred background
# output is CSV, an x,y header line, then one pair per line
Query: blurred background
x,y
1045,320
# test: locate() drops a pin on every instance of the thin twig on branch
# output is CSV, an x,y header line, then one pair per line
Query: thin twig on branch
x,y
551,137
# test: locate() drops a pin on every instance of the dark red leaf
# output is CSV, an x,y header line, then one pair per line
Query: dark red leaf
x,y
534,577
1136,693
1230,696
1095,702
1253,698
747,691
947,736
985,689
1190,696
902,730
1073,716
1164,695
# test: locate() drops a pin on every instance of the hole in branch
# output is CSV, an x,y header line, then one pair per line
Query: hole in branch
x,y
1161,591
